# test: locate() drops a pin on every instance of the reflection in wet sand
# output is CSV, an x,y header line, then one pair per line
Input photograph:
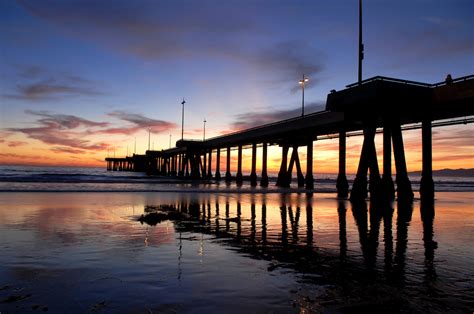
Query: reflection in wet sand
x,y
382,255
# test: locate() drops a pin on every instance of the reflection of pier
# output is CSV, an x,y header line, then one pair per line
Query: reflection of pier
x,y
373,105
291,240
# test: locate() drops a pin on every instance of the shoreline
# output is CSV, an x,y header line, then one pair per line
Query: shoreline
x,y
244,190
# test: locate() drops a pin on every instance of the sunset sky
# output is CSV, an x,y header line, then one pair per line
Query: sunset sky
x,y
82,79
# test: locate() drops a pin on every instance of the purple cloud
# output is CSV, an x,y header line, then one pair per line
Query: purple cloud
x,y
50,89
67,150
62,130
64,121
252,119
138,123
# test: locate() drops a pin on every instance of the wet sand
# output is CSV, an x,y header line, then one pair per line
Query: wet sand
x,y
207,252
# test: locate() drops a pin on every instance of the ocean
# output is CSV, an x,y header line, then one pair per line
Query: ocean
x,y
75,240
77,179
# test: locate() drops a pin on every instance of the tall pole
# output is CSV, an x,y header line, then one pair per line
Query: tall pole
x,y
302,83
361,45
149,131
182,119
204,135
302,100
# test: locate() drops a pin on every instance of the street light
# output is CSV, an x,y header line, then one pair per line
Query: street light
x,y
149,131
204,136
302,82
182,119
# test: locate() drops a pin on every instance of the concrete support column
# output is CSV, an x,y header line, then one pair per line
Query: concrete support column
x,y
178,164
209,165
228,175
264,179
253,174
194,165
341,183
204,165
173,166
239,178
375,184
387,181
282,175
218,163
186,164
299,173
309,180
359,189
200,167
427,184
404,190
294,160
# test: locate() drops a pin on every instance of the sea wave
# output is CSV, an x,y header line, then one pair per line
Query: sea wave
x,y
69,179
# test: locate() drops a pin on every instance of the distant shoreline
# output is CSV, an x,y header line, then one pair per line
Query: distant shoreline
x,y
468,172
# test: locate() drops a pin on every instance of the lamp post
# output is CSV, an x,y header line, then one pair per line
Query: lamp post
x,y
204,135
149,131
302,82
182,119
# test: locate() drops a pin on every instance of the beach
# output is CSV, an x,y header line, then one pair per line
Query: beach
x,y
233,252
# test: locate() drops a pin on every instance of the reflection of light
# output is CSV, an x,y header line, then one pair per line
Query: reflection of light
x,y
146,237
180,255
201,247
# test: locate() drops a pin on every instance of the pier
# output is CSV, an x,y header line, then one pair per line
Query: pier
x,y
378,104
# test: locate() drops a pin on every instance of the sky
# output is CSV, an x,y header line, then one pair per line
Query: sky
x,y
82,80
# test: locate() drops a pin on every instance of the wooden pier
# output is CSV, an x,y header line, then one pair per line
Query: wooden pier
x,y
373,105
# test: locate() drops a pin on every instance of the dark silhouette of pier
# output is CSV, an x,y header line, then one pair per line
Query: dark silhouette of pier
x,y
378,104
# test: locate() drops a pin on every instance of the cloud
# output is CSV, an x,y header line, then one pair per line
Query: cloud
x,y
138,123
43,84
17,156
291,59
438,39
65,121
51,88
30,71
63,130
68,150
185,30
253,119
16,143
